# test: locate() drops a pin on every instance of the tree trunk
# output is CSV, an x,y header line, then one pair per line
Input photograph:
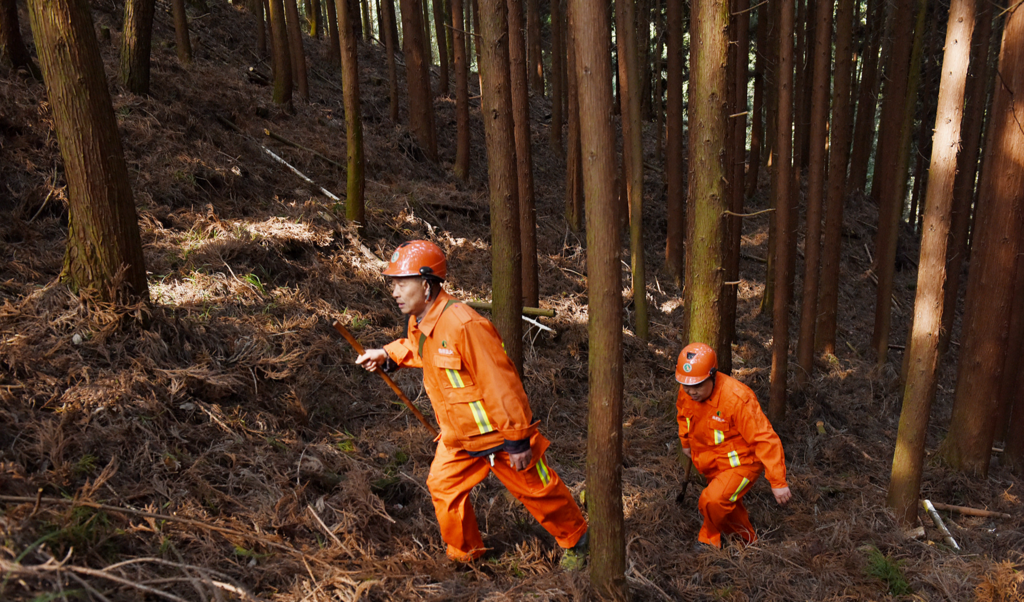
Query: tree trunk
x,y
887,169
867,98
428,48
839,153
1012,365
968,444
967,168
391,45
282,55
12,45
295,50
184,46
557,50
643,49
771,86
136,41
574,213
417,77
659,85
757,110
461,168
675,204
315,22
334,47
104,248
535,66
919,393
506,259
476,40
1013,454
815,188
592,36
367,23
800,101
354,205
442,45
261,26
632,156
524,154
785,231
708,80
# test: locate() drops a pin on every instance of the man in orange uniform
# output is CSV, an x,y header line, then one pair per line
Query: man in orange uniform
x,y
480,405
729,440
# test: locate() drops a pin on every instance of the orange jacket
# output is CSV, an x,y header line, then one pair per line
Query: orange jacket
x,y
730,430
474,388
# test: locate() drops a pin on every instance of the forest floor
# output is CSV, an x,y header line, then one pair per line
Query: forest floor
x,y
234,447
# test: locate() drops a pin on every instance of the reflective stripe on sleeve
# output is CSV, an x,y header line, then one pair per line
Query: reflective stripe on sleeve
x,y
687,424
482,422
542,472
734,459
719,437
455,378
736,493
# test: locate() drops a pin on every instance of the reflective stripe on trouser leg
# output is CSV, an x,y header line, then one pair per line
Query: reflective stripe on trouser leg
x,y
721,505
550,502
453,473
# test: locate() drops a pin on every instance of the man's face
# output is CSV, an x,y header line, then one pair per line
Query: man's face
x,y
700,392
411,294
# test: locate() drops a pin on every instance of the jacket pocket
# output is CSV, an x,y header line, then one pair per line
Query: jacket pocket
x,y
468,413
452,374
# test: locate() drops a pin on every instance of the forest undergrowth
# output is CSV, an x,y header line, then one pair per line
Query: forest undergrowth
x,y
219,443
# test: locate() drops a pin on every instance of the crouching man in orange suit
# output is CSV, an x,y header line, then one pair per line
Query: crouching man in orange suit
x,y
480,405
729,440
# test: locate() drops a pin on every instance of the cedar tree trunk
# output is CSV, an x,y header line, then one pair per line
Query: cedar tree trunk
x,y
136,41
334,47
295,50
557,50
391,45
184,46
417,76
442,45
574,212
461,93
354,205
757,110
675,203
282,56
12,45
536,61
867,98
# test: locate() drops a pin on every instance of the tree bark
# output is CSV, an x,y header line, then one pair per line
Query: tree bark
x,y
919,393
315,22
1012,365
709,43
967,169
391,45
428,48
968,444
334,47
658,105
261,26
557,50
867,98
295,50
632,153
354,205
592,36
757,110
506,258
461,168
839,153
535,66
785,231
442,45
104,248
136,41
367,24
12,44
282,55
417,77
184,46
815,188
675,204
524,154
574,212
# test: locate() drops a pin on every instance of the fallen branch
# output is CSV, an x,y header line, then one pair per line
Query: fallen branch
x,y
754,214
970,511
527,311
292,144
946,535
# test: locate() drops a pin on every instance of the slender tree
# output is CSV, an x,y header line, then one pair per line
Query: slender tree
x,y
184,46
535,64
784,229
997,243
574,210
674,203
367,24
442,44
391,45
815,188
428,49
333,48
256,6
354,205
867,97
506,259
658,105
592,35
315,21
12,45
136,40
757,110
461,93
281,55
557,50
417,77
524,154
967,168
632,153
295,50
104,248
919,393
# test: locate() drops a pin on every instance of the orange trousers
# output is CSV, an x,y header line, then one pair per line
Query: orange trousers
x,y
454,473
721,505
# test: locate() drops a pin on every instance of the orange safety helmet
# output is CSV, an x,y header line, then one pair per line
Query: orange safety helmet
x,y
418,258
697,362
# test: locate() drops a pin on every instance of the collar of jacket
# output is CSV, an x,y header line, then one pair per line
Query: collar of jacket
x,y
715,393
429,320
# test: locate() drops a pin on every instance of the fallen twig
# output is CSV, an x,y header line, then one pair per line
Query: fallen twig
x,y
970,511
946,535
292,144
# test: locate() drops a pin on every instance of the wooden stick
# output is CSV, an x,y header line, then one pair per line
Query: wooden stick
x,y
970,511
946,535
292,144
359,349
527,311
323,190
